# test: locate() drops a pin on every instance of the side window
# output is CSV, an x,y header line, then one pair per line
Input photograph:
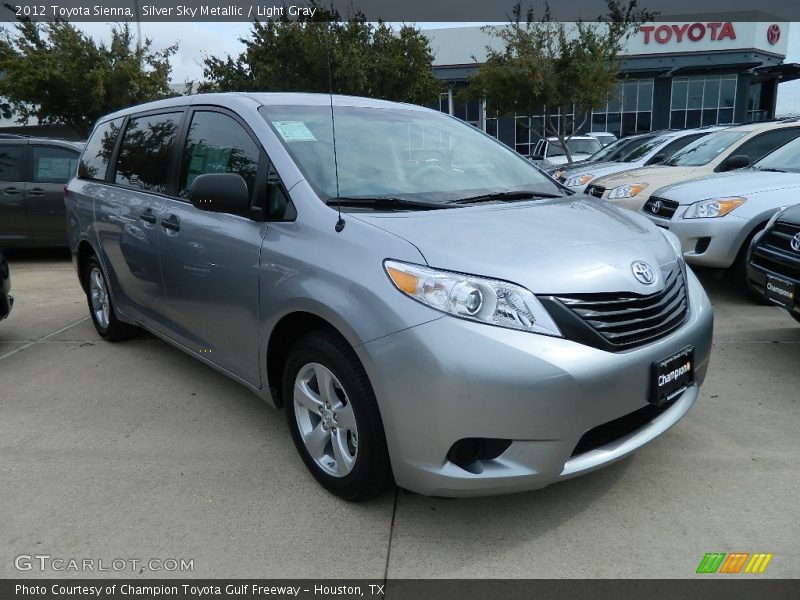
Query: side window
x,y
145,152
11,163
97,154
53,165
765,143
217,143
674,146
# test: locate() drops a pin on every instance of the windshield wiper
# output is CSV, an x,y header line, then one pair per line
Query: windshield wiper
x,y
516,195
773,170
388,202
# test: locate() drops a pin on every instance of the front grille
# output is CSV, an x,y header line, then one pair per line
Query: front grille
x,y
626,320
596,190
607,433
660,207
774,252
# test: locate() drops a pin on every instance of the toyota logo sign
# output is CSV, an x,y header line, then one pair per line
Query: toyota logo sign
x,y
643,272
796,243
774,33
656,207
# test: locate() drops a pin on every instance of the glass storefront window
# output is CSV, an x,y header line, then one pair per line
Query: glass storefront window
x,y
629,109
705,100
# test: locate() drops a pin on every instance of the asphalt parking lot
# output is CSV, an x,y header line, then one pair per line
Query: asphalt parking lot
x,y
135,450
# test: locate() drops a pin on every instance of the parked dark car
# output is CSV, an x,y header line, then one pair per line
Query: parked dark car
x,y
33,172
6,301
773,266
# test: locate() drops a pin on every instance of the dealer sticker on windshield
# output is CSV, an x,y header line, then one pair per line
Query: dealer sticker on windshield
x,y
670,377
294,131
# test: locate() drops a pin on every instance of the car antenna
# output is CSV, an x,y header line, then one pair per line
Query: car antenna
x,y
340,222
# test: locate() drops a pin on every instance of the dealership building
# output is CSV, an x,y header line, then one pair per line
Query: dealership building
x,y
674,75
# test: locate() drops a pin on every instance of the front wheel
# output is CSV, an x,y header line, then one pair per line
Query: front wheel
x,y
334,418
100,308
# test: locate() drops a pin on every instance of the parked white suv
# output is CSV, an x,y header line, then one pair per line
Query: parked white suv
x,y
550,151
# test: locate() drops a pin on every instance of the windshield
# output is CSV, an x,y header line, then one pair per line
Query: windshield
x,y
645,148
616,151
703,151
413,154
576,146
785,158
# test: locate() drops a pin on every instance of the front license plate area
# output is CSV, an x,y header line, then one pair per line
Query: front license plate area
x,y
671,376
781,291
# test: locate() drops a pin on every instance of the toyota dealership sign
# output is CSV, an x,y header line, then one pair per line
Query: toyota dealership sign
x,y
704,36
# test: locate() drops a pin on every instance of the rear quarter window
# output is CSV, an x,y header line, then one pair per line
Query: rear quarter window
x,y
97,154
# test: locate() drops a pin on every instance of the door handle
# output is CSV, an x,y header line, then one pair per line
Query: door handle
x,y
148,216
36,192
172,223
11,191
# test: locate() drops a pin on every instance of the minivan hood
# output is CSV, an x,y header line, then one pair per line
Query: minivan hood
x,y
736,183
570,245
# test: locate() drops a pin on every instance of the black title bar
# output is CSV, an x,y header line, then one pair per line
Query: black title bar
x,y
386,10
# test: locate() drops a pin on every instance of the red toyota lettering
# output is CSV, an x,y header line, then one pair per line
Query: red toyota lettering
x,y
697,32
727,31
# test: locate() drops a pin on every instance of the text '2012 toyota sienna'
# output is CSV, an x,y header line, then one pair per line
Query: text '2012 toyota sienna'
x,y
424,303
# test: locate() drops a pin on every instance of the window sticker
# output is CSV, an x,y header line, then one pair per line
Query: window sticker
x,y
294,131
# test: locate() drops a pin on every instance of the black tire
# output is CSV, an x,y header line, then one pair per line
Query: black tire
x,y
371,472
115,330
737,274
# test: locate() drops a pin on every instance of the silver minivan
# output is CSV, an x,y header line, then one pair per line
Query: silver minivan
x,y
425,304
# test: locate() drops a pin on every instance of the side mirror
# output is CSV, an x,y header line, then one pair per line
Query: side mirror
x,y
737,161
220,192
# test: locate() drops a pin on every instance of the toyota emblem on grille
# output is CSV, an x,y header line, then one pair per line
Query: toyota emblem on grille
x,y
656,207
643,272
796,243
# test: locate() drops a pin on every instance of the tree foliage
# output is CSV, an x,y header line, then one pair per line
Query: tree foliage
x,y
59,75
327,52
545,66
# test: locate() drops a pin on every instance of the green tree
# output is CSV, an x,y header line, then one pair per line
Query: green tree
x,y
327,52
59,75
547,67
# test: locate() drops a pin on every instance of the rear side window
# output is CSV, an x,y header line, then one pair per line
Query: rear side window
x,y
97,154
765,143
11,163
53,165
217,143
145,152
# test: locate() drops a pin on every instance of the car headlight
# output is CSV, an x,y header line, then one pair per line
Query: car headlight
x,y
712,207
626,191
579,180
474,298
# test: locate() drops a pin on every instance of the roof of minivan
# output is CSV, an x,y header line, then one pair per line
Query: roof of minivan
x,y
230,99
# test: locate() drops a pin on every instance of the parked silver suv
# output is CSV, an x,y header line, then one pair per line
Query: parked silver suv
x,y
423,302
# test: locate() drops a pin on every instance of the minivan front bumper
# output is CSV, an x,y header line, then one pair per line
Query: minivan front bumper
x,y
451,379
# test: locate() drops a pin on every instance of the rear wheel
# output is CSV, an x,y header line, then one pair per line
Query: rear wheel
x,y
334,418
100,308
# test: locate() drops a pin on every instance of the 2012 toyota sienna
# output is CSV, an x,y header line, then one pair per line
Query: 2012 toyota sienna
x,y
423,302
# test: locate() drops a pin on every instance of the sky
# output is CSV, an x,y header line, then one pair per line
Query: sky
x,y
197,40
